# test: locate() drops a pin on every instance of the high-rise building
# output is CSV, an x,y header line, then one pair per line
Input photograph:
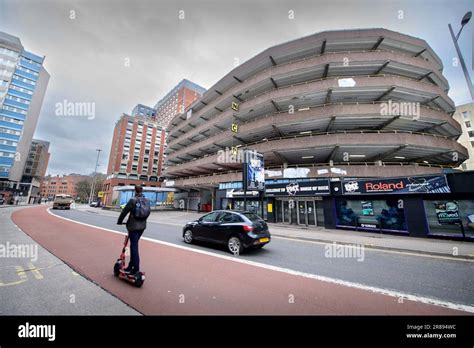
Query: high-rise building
x,y
38,159
23,82
136,154
35,170
177,101
465,116
143,110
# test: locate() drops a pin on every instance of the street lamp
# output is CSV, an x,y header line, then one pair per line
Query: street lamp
x,y
95,174
465,19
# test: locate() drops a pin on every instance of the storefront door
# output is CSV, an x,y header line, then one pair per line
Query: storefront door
x,y
302,216
286,212
311,213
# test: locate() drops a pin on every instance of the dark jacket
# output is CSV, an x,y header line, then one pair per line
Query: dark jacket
x,y
132,223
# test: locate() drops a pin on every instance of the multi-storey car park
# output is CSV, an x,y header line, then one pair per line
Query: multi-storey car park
x,y
328,120
371,103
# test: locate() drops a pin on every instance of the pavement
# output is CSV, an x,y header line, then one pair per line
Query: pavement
x,y
189,281
43,284
431,246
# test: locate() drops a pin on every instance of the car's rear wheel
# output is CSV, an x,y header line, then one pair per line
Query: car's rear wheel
x,y
188,236
235,245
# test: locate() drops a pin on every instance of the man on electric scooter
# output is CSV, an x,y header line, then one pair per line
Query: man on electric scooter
x,y
139,209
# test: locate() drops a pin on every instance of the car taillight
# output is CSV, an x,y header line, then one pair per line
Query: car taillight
x,y
248,228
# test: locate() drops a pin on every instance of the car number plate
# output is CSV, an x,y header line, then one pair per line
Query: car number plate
x,y
263,240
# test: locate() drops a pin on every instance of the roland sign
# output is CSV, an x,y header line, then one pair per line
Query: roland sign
x,y
411,184
384,186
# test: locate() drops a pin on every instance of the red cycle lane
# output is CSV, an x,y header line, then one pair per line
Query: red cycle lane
x,y
180,281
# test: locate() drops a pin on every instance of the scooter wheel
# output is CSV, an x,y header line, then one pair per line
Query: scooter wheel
x,y
116,269
138,280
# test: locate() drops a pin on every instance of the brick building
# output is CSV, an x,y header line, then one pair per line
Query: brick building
x,y
177,101
53,185
136,154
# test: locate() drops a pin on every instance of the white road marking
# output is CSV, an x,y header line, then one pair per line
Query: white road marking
x,y
380,250
381,291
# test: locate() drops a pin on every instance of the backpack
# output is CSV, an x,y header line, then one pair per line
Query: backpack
x,y
142,208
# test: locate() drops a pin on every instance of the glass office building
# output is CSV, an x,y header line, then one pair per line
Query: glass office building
x,y
23,82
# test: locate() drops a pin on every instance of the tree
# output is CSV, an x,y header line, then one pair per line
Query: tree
x,y
83,189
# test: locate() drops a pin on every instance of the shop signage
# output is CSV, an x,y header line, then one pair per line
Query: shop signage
x,y
232,193
305,188
413,184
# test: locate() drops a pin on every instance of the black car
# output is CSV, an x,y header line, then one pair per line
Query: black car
x,y
237,230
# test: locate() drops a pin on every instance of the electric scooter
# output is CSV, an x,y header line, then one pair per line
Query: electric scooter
x,y
119,269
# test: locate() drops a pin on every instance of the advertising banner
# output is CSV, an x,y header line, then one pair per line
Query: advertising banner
x,y
410,185
254,172
305,188
447,212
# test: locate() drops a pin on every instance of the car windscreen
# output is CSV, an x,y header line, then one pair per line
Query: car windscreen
x,y
252,216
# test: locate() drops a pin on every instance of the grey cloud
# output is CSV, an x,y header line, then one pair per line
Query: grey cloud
x,y
85,56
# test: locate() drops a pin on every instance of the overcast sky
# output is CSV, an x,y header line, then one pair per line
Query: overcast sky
x,y
87,55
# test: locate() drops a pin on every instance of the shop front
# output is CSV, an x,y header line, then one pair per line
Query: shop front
x,y
290,201
298,201
387,205
417,206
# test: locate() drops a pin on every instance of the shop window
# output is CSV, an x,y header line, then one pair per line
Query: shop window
x,y
381,215
450,217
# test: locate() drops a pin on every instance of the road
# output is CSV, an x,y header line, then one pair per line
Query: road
x,y
286,277
433,277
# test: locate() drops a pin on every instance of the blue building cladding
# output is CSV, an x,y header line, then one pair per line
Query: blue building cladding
x,y
16,105
12,114
11,125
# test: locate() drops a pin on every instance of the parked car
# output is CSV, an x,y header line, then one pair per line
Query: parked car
x,y
62,201
237,230
95,204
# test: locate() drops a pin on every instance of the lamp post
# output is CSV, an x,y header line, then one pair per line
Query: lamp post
x,y
464,21
95,174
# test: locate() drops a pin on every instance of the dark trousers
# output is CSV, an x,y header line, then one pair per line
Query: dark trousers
x,y
134,237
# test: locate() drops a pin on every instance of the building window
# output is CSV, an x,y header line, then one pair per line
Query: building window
x,y
471,133
466,114
468,124
472,143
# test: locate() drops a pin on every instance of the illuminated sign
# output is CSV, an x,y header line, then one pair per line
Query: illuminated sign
x,y
414,184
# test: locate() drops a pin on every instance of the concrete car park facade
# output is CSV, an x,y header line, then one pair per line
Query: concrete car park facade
x,y
294,109
337,104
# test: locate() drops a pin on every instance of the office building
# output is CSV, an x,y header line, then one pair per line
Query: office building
x,y
23,82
